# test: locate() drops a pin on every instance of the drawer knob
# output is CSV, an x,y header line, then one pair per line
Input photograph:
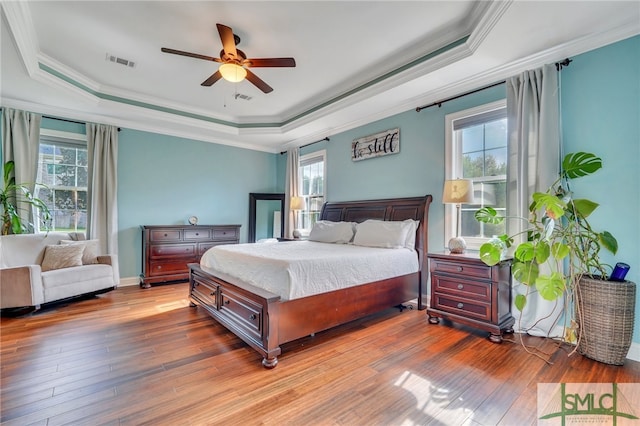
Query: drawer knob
x,y
197,234
165,235
460,305
460,286
252,317
213,293
226,302
459,268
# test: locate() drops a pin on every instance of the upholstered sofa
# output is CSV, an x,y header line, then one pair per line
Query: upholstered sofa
x,y
40,268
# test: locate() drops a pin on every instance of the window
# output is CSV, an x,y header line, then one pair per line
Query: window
x,y
62,167
311,173
477,149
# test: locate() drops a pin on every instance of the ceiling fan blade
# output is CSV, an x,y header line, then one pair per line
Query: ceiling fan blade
x,y
228,41
270,62
191,55
257,81
212,79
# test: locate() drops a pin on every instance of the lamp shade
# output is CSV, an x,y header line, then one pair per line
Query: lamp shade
x,y
232,72
457,191
297,203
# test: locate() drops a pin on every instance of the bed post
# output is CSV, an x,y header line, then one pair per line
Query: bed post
x,y
423,248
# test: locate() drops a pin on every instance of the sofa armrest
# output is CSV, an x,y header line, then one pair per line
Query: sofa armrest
x,y
21,286
111,259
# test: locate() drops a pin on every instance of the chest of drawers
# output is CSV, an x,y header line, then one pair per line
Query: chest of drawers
x,y
166,250
465,290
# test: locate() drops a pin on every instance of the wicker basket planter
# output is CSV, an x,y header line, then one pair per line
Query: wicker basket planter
x,y
606,322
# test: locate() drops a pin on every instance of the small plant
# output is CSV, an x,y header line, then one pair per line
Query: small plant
x,y
558,235
16,197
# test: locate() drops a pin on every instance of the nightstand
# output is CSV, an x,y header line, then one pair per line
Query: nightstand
x,y
465,290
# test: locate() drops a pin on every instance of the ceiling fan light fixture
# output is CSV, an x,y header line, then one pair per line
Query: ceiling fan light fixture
x,y
232,72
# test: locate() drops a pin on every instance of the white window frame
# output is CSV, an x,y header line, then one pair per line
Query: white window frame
x,y
304,158
70,138
453,167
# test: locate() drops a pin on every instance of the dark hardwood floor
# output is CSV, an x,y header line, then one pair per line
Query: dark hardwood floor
x,y
137,356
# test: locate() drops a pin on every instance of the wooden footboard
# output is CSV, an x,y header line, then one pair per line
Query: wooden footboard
x,y
265,322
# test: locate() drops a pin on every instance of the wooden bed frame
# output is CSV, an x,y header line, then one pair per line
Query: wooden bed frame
x,y
265,322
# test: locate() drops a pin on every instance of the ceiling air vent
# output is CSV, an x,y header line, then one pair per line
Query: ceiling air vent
x,y
121,61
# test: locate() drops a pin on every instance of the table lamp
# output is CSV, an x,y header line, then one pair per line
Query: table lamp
x,y
296,204
458,192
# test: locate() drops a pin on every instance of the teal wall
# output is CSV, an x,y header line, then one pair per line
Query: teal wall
x,y
601,114
162,180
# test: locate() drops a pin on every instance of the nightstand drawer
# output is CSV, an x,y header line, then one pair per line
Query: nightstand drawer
x,y
462,306
460,269
472,290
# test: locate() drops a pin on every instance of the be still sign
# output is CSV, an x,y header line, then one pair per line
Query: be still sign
x,y
383,143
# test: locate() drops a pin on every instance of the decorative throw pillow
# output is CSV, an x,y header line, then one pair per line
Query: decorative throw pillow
x,y
325,231
90,250
62,256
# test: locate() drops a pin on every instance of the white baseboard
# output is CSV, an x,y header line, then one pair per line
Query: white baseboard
x,y
634,352
129,281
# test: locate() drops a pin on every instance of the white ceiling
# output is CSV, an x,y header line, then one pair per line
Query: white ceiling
x,y
357,61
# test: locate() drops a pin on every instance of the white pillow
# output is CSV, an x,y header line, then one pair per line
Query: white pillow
x,y
411,233
325,231
90,249
387,234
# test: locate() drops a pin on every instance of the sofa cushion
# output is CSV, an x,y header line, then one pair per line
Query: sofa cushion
x,y
76,274
90,250
62,256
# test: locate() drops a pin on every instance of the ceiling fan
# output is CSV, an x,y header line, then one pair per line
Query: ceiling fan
x,y
234,63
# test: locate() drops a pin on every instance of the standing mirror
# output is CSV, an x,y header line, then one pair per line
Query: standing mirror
x,y
266,218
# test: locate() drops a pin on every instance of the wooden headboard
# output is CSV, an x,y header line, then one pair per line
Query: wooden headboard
x,y
416,208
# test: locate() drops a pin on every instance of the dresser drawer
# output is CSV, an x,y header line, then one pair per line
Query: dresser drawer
x,y
225,233
166,235
473,290
460,269
197,234
168,268
241,311
461,306
172,250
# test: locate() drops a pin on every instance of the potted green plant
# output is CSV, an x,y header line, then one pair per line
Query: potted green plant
x,y
16,197
559,235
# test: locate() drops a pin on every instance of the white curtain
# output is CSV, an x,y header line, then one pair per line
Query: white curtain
x,y
20,144
291,190
102,211
534,164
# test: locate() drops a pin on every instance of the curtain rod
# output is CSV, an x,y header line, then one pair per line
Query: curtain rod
x,y
309,144
559,66
66,119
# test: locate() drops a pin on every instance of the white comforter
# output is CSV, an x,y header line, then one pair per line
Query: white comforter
x,y
295,269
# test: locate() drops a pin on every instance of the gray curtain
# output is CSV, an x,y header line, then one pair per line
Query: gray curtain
x,y
20,144
291,190
102,211
534,164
